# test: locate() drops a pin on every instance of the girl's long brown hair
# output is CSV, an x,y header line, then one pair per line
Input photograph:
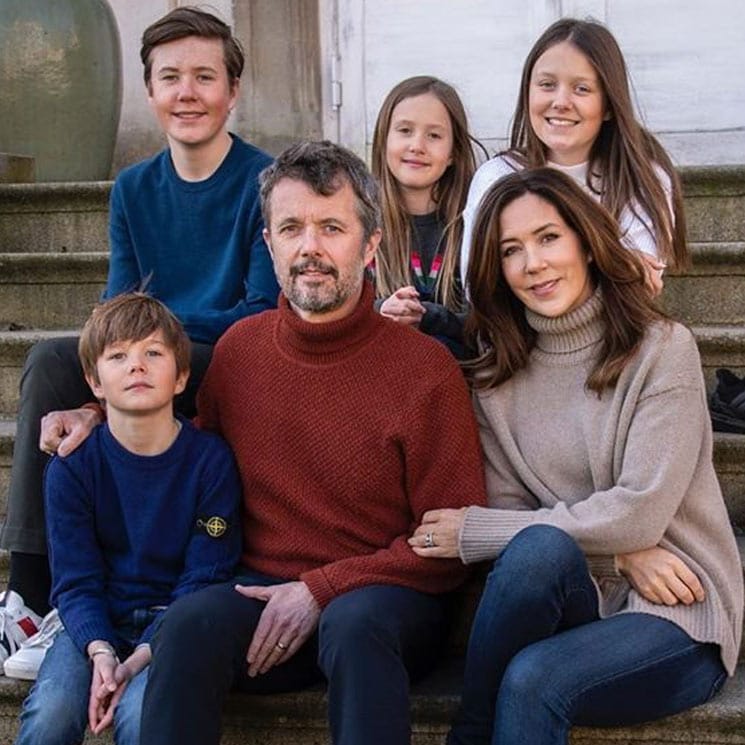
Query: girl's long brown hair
x,y
624,153
496,324
393,259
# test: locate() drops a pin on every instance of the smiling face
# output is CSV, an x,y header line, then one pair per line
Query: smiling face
x,y
138,377
419,148
318,248
190,92
542,258
566,103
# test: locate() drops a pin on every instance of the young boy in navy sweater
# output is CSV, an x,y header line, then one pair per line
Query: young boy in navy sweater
x,y
144,512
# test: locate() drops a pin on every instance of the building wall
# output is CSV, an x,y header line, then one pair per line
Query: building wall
x,y
322,67
684,58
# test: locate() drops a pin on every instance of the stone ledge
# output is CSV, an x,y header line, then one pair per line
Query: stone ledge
x,y
82,196
713,180
300,718
15,169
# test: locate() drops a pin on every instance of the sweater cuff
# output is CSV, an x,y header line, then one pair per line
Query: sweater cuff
x,y
602,566
320,588
487,531
83,634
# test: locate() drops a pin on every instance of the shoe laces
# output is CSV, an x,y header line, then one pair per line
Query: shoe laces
x,y
50,626
12,634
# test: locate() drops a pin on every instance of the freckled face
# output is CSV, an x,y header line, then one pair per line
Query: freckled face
x,y
543,260
566,104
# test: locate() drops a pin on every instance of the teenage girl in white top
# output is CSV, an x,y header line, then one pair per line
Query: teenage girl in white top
x,y
574,113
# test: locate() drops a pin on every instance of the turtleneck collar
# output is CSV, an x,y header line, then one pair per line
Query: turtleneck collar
x,y
327,343
570,337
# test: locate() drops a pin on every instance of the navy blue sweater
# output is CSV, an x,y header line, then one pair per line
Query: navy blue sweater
x,y
128,531
198,245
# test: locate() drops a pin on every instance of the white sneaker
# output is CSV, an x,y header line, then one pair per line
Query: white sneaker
x,y
17,623
25,663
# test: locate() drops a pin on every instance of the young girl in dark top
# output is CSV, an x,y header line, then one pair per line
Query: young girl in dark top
x,y
423,158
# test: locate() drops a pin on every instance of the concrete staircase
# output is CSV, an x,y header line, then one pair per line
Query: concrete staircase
x,y
53,262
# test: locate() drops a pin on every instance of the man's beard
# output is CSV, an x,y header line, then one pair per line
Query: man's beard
x,y
324,296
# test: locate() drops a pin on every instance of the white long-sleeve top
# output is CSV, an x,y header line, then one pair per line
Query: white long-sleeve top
x,y
637,230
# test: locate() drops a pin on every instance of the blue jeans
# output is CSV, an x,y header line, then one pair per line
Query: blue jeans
x,y
56,709
541,660
370,642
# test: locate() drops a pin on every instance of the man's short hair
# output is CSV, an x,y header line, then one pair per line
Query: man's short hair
x,y
188,21
131,317
325,167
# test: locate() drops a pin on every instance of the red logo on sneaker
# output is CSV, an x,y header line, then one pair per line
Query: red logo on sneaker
x,y
28,626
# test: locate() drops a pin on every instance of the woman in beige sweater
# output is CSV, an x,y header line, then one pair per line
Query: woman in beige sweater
x,y
616,594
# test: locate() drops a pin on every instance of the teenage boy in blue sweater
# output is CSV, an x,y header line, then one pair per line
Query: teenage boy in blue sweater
x,y
187,223
145,511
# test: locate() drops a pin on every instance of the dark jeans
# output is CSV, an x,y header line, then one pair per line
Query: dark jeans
x,y
53,380
540,660
368,645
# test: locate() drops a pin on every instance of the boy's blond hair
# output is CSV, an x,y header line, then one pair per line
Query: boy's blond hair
x,y
131,317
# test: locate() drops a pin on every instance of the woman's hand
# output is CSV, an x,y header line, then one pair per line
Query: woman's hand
x,y
660,577
653,269
437,536
403,306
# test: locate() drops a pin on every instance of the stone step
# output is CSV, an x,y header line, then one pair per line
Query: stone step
x,y
719,345
713,290
50,290
714,203
14,345
54,218
69,217
300,718
57,290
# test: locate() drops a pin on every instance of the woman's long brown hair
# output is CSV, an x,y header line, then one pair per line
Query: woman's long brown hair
x,y
496,325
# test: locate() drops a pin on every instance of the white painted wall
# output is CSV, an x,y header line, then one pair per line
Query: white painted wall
x,y
685,57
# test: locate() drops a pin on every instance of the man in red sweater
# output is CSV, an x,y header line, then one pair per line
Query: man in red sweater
x,y
347,427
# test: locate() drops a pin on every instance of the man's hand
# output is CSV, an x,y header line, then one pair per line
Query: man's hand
x,y
660,577
403,306
63,431
290,617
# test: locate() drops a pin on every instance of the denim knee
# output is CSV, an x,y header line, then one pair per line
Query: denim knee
x,y
539,553
128,712
526,677
50,717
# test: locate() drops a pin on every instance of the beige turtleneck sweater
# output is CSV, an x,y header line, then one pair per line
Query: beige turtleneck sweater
x,y
621,472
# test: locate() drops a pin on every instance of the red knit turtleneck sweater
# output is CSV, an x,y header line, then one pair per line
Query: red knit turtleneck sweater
x,y
345,433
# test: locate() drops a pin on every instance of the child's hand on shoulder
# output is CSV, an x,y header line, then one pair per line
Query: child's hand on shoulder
x,y
404,306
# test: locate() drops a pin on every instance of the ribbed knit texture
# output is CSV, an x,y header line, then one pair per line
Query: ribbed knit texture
x,y
634,223
621,472
345,434
198,244
123,528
